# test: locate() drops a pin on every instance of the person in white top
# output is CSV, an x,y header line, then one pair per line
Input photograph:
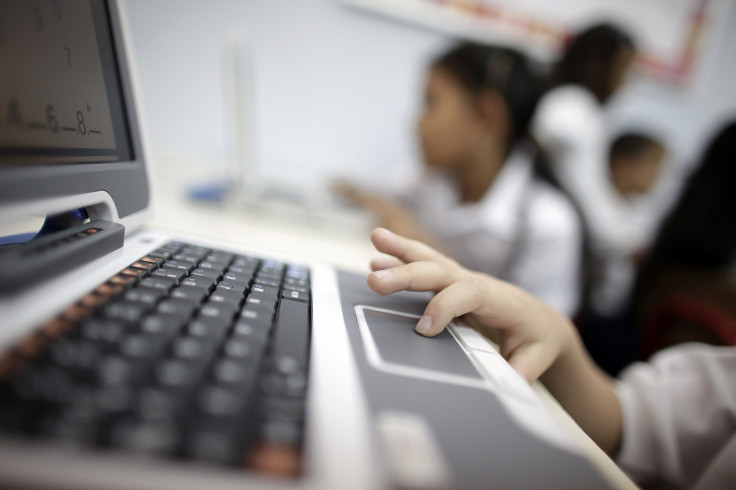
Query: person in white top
x,y
479,199
669,423
570,126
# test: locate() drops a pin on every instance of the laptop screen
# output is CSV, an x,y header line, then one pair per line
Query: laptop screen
x,y
69,127
60,100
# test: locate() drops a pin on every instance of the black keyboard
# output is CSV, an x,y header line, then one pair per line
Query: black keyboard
x,y
189,353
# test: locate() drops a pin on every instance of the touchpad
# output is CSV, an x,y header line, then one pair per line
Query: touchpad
x,y
392,345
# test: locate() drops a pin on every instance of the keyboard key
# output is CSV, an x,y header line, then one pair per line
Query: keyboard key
x,y
197,350
291,333
153,259
257,315
263,292
106,332
281,432
148,296
161,253
116,370
214,441
178,264
192,294
233,277
195,250
178,307
176,274
189,348
175,373
295,272
165,284
265,301
268,276
157,402
218,267
207,273
240,287
162,324
80,356
125,311
231,372
241,349
218,401
192,259
283,408
110,290
148,266
134,273
272,266
226,296
243,261
280,460
246,271
143,346
150,436
211,328
268,282
221,311
295,295
290,281
206,283
224,257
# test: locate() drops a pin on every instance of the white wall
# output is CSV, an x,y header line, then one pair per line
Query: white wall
x,y
337,90
687,116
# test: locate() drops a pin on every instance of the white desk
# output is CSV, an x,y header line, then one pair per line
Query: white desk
x,y
340,239
344,244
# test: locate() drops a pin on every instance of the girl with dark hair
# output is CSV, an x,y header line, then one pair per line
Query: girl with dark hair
x,y
479,199
570,126
597,59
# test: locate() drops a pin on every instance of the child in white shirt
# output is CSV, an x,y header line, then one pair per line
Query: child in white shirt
x,y
479,199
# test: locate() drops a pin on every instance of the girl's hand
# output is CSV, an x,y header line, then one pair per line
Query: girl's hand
x,y
530,334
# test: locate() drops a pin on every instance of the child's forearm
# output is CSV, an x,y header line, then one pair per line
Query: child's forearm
x,y
586,393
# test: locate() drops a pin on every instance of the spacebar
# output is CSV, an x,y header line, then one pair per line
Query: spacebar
x,y
291,338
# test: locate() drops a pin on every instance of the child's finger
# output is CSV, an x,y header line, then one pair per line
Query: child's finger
x,y
457,299
403,248
417,276
385,263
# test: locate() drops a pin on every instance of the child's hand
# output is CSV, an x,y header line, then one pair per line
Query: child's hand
x,y
389,214
531,335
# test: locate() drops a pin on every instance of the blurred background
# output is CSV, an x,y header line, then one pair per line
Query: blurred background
x,y
333,88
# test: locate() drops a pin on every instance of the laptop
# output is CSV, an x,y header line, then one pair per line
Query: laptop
x,y
131,358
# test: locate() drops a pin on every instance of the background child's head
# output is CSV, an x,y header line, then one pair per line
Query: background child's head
x,y
478,99
701,228
599,59
635,162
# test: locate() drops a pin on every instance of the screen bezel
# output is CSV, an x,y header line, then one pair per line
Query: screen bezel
x,y
125,181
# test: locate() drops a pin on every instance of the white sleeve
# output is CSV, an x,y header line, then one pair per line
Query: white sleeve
x,y
560,118
570,126
550,258
679,412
